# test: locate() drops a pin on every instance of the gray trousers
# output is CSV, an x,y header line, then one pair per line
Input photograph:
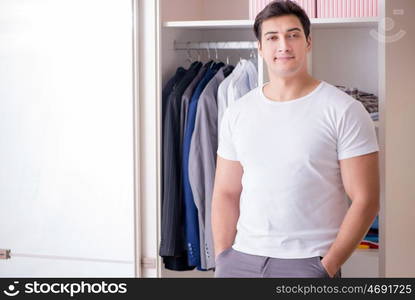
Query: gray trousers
x,y
233,263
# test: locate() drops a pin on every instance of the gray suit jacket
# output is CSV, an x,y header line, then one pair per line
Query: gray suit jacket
x,y
202,164
187,95
172,246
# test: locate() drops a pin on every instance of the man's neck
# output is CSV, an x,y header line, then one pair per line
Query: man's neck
x,y
289,88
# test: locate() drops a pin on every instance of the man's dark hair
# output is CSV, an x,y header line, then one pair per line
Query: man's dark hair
x,y
279,8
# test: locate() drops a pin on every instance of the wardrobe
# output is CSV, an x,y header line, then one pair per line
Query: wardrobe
x,y
345,51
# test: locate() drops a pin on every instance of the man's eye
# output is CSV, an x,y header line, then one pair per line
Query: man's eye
x,y
273,38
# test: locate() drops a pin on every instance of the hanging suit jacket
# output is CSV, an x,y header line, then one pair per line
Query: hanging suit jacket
x,y
167,91
187,95
191,221
172,247
168,88
243,80
202,164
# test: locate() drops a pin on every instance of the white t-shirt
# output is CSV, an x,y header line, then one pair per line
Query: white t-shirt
x,y
293,200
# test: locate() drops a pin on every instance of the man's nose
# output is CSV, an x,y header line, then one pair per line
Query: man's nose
x,y
284,46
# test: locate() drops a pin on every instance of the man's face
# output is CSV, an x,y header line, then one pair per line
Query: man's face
x,y
284,46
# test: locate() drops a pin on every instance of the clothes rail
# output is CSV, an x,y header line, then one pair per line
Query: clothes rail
x,y
215,45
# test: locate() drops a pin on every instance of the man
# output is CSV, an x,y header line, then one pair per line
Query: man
x,y
288,152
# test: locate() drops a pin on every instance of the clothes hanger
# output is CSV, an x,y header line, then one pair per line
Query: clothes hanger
x,y
227,54
240,55
208,50
198,54
252,55
189,55
216,53
228,67
209,57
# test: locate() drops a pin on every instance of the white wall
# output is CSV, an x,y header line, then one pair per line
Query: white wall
x,y
181,10
226,10
399,206
338,69
188,10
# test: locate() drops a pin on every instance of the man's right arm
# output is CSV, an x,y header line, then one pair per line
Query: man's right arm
x,y
225,203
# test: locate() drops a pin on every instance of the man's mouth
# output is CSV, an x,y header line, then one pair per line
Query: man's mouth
x,y
284,58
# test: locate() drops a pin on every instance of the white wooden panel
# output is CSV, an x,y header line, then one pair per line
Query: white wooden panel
x,y
399,112
66,131
362,263
38,267
347,57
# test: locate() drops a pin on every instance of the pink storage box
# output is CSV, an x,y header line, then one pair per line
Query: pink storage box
x,y
326,8
255,6
346,8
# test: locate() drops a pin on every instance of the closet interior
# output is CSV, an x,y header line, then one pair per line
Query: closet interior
x,y
345,53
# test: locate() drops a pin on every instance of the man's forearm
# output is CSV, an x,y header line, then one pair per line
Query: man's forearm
x,y
225,214
353,229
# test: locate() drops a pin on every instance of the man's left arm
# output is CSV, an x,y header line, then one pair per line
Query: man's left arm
x,y
360,177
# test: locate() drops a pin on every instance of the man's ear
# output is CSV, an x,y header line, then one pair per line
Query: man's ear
x,y
309,43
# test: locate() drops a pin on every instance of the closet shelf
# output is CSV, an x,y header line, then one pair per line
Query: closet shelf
x,y
371,252
214,24
344,22
247,24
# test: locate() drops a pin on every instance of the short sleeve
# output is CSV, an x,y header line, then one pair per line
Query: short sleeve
x,y
356,132
226,147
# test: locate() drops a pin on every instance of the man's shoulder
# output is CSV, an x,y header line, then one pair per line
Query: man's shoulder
x,y
243,107
247,101
335,97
